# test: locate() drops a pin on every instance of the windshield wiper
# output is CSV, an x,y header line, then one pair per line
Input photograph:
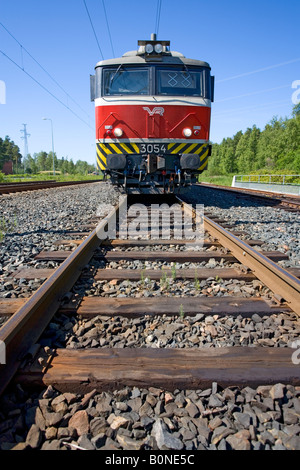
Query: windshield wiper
x,y
116,73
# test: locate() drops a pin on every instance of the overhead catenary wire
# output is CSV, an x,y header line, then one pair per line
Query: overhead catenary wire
x,y
45,88
108,29
43,68
92,26
222,114
264,69
253,93
157,21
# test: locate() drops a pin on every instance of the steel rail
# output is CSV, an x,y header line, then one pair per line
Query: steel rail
x,y
7,188
271,274
280,198
25,327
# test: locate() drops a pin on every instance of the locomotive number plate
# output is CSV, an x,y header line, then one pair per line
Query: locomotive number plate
x,y
156,149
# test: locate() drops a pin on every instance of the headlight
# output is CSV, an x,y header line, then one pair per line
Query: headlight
x,y
158,48
118,132
149,48
187,132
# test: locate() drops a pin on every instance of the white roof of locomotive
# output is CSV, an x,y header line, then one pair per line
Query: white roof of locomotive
x,y
135,58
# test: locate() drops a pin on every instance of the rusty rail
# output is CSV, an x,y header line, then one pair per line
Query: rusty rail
x,y
279,199
271,274
25,327
7,188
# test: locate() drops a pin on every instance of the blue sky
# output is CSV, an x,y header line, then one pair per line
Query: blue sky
x,y
252,47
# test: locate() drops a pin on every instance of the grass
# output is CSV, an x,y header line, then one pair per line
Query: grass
x,y
181,312
48,176
197,284
173,270
226,180
164,281
223,180
275,178
143,279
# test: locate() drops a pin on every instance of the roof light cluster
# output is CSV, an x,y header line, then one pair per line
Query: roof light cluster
x,y
149,48
153,47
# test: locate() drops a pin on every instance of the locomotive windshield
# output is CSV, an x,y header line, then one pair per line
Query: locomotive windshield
x,y
180,82
126,81
153,80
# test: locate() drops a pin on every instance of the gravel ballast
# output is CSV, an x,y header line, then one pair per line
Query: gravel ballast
x,y
33,221
279,229
132,418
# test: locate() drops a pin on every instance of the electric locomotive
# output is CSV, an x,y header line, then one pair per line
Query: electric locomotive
x,y
153,111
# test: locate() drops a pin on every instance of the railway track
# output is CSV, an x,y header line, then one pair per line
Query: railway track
x,y
278,200
25,327
86,370
9,188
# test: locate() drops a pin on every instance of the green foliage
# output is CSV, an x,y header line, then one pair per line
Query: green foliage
x,y
9,151
39,162
164,281
197,284
277,147
173,270
44,162
222,180
181,312
296,110
143,279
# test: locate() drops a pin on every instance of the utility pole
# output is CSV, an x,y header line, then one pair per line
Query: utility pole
x,y
25,142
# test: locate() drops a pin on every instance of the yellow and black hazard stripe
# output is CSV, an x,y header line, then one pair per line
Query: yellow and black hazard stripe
x,y
203,150
129,148
204,154
103,150
204,162
181,148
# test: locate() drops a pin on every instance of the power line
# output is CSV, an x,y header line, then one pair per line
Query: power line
x,y
45,88
37,62
221,114
158,11
112,47
92,26
259,70
253,93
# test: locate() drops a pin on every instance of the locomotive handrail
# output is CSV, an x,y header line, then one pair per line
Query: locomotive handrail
x,y
110,114
188,115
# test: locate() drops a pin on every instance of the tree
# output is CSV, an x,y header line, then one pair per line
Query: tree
x,y
276,147
296,110
31,165
9,151
241,152
71,167
41,161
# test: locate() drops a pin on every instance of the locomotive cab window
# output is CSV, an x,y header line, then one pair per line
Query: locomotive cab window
x,y
126,81
183,82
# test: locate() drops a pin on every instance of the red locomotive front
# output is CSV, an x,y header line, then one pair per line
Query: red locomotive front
x,y
152,117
